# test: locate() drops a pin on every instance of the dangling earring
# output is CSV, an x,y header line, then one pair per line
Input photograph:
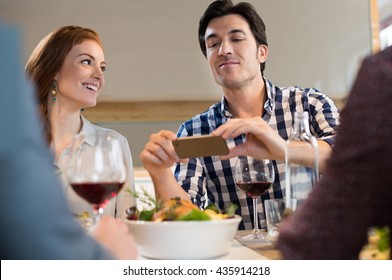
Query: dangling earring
x,y
54,91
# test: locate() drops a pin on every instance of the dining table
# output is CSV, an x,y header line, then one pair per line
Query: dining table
x,y
265,249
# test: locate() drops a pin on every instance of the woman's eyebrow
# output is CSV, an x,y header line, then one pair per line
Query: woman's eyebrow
x,y
91,56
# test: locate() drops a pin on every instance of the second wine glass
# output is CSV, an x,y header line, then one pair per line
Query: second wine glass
x,y
97,170
254,177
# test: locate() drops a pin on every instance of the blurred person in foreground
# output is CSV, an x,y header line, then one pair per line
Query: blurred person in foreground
x,y
35,222
233,39
67,67
355,191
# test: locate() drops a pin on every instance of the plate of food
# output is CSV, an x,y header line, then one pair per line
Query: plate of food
x,y
177,229
378,245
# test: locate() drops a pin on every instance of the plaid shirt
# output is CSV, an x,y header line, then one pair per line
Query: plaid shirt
x,y
210,180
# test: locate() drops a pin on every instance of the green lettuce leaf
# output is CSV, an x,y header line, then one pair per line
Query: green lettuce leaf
x,y
195,215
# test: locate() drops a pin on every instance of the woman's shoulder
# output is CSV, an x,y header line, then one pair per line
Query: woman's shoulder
x,y
102,131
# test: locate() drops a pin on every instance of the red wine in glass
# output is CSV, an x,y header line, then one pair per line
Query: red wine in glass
x,y
254,177
97,169
254,189
98,193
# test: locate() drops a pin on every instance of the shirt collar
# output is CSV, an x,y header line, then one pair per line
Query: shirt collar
x,y
271,92
223,108
268,105
88,130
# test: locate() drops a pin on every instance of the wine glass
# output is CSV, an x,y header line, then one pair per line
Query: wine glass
x,y
97,169
254,177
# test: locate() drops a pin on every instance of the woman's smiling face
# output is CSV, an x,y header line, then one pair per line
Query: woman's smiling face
x,y
81,75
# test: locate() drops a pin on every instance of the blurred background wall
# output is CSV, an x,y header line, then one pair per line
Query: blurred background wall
x,y
152,50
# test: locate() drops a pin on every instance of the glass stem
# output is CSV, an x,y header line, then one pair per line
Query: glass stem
x,y
256,233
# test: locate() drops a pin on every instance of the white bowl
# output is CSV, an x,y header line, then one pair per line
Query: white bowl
x,y
185,240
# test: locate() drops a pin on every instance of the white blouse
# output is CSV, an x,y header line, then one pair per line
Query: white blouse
x,y
117,206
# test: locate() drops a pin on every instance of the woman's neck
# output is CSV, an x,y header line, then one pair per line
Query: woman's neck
x,y
64,127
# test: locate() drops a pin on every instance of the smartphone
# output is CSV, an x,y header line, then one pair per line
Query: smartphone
x,y
200,146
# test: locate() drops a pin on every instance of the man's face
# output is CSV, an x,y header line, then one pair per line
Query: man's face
x,y
232,51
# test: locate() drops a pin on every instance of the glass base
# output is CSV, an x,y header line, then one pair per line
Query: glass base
x,y
255,236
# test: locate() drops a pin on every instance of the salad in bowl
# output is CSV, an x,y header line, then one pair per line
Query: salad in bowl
x,y
177,229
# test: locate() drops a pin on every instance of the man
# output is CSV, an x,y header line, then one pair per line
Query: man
x,y
233,39
34,218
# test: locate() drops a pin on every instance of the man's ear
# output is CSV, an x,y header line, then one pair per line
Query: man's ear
x,y
262,53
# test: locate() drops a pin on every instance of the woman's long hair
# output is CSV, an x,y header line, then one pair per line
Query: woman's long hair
x,y
46,61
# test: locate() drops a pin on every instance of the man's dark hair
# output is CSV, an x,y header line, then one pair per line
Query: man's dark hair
x,y
222,8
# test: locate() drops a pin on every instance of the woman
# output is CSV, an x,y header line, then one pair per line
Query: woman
x,y
67,67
